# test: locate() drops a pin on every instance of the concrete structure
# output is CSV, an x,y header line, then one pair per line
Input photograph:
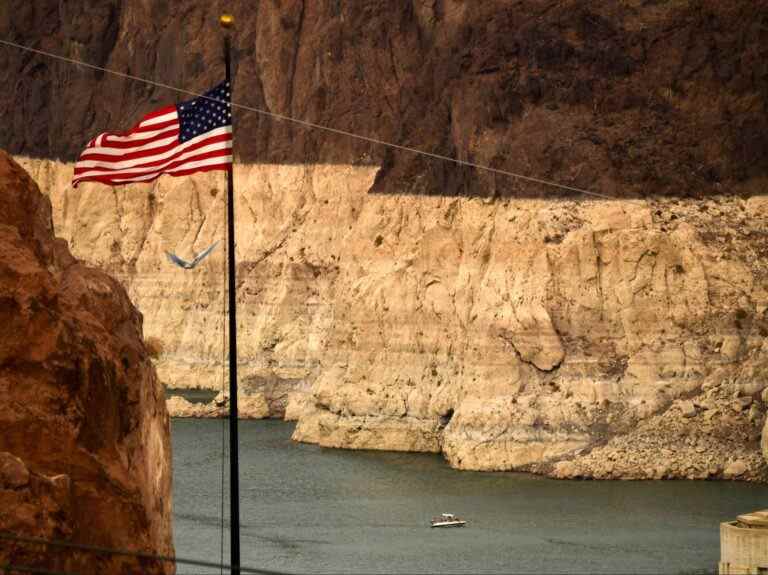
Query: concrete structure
x,y
744,545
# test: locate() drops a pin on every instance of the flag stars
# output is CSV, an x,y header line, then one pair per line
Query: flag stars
x,y
208,112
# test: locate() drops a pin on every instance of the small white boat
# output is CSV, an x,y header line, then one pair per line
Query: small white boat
x,y
448,520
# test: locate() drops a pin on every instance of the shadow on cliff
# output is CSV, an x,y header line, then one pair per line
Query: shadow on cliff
x,y
630,99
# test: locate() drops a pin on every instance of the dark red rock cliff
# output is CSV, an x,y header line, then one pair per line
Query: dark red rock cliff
x,y
625,98
85,446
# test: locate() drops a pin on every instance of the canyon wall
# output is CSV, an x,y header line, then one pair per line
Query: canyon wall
x,y
85,452
506,334
409,303
628,98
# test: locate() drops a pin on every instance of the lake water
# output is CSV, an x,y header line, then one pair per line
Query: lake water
x,y
306,509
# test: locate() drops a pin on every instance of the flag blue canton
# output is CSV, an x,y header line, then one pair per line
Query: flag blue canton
x,y
210,111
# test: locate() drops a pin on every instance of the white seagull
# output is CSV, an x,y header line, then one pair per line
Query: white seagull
x,y
197,259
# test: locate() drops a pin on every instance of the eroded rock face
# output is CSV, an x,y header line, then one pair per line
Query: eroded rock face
x,y
612,96
505,334
284,314
85,447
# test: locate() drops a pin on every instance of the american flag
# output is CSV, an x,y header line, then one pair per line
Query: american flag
x,y
194,136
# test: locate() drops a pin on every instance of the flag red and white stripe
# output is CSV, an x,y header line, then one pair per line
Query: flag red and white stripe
x,y
151,148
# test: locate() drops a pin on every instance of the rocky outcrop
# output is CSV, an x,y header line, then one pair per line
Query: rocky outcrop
x,y
712,436
645,312
85,446
279,393
259,397
249,406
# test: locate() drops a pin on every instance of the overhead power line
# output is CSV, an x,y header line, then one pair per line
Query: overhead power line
x,y
95,549
313,125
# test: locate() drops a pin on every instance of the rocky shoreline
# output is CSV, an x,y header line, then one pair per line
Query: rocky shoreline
x,y
250,405
715,435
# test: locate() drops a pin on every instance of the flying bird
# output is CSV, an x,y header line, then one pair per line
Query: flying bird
x,y
197,259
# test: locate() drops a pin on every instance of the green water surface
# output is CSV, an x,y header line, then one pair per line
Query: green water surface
x,y
305,509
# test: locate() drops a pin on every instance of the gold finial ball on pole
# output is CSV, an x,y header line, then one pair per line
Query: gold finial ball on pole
x,y
227,21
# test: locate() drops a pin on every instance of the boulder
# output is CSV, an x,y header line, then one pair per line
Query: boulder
x,y
735,469
181,407
249,406
565,470
731,347
13,472
687,408
253,406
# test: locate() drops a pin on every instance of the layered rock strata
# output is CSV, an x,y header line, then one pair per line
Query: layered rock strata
x,y
430,306
506,334
85,449
283,312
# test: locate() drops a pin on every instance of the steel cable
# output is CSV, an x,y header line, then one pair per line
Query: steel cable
x,y
96,549
313,125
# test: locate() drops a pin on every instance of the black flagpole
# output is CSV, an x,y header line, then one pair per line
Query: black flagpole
x,y
226,22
